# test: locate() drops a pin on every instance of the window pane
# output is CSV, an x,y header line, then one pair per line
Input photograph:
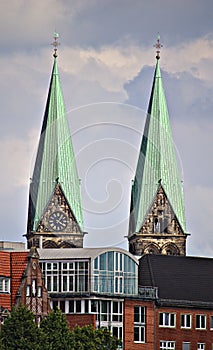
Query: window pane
x,y
78,305
71,286
86,306
39,292
96,263
55,283
111,261
49,283
55,266
71,306
115,307
136,333
186,346
93,306
103,261
142,334
64,283
211,322
136,314
166,319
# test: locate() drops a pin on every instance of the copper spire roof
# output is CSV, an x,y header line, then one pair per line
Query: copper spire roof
x,y
55,161
157,163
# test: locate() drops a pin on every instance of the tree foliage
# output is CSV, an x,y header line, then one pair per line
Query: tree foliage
x,y
19,332
84,338
55,332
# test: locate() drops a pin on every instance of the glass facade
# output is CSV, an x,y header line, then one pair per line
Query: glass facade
x,y
115,273
61,277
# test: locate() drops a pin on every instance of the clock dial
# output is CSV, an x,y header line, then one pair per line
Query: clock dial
x,y
57,221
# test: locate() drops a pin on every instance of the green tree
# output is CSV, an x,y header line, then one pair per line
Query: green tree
x,y
84,338
19,330
55,332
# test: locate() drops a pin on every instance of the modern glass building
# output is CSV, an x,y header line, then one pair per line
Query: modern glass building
x,y
91,281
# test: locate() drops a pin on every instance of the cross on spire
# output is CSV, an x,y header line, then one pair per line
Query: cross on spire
x,y
55,44
158,47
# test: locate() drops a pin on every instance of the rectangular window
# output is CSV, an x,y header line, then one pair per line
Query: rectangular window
x,y
117,311
94,306
139,324
200,321
211,322
139,334
27,291
167,319
167,345
104,310
71,306
62,306
86,306
78,306
51,273
33,288
116,331
39,292
4,285
186,321
200,346
139,314
185,346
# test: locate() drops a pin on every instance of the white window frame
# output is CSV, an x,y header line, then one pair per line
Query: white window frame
x,y
140,324
4,285
167,323
74,276
167,345
200,322
184,317
201,346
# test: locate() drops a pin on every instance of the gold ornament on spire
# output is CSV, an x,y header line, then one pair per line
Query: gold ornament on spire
x,y
158,47
55,44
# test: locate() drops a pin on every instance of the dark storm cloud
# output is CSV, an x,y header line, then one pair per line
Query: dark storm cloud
x,y
101,23
29,24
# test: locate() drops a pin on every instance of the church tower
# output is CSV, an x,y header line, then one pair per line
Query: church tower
x,y
157,218
55,213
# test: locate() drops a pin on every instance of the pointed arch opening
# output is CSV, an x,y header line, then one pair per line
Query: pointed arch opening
x,y
152,249
170,249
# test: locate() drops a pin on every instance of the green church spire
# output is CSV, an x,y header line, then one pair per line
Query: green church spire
x,y
157,173
55,167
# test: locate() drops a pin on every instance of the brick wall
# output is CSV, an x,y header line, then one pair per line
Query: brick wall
x,y
180,335
81,320
129,343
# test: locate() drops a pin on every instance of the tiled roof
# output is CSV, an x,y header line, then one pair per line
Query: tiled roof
x,y
19,263
178,277
55,161
4,264
157,162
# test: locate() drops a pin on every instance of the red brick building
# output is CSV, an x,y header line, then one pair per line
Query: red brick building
x,y
21,281
182,309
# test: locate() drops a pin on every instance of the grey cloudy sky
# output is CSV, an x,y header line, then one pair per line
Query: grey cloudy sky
x,y
106,61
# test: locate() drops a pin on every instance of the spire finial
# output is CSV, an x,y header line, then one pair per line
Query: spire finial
x,y
158,47
55,44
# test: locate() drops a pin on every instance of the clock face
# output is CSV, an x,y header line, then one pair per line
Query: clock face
x,y
57,221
